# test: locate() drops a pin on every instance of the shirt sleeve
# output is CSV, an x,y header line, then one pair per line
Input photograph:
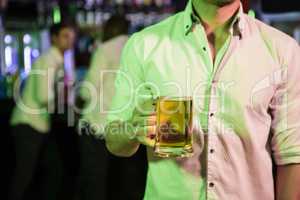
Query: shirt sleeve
x,y
43,77
92,78
129,77
285,111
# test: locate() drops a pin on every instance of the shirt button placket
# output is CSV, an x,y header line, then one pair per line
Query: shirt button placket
x,y
211,144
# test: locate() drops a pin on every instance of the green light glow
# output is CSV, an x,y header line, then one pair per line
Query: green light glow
x,y
56,15
251,13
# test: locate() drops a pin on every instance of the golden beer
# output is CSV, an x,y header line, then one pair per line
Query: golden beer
x,y
174,127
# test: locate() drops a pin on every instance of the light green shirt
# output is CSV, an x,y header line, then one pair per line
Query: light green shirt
x,y
34,105
247,106
97,90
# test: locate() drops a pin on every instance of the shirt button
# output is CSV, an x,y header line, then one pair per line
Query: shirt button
x,y
211,184
211,114
212,151
204,48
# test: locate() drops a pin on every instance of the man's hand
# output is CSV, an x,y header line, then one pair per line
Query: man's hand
x,y
144,122
123,138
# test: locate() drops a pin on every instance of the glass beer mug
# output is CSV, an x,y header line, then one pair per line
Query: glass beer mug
x,y
174,127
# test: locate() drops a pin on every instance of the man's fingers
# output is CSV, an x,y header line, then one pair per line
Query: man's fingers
x,y
145,121
146,108
150,113
146,135
147,141
146,131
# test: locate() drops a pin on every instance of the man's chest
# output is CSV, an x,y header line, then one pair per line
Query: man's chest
x,y
245,77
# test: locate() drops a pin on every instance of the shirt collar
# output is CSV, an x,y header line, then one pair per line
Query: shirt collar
x,y
57,56
190,18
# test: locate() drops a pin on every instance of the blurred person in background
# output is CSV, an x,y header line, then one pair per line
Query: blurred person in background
x,y
6,139
3,4
31,118
97,167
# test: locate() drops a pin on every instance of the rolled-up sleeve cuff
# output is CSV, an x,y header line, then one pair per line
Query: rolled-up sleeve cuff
x,y
287,158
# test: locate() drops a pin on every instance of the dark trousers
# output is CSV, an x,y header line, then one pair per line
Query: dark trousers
x,y
36,155
128,176
66,141
46,164
106,177
93,168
